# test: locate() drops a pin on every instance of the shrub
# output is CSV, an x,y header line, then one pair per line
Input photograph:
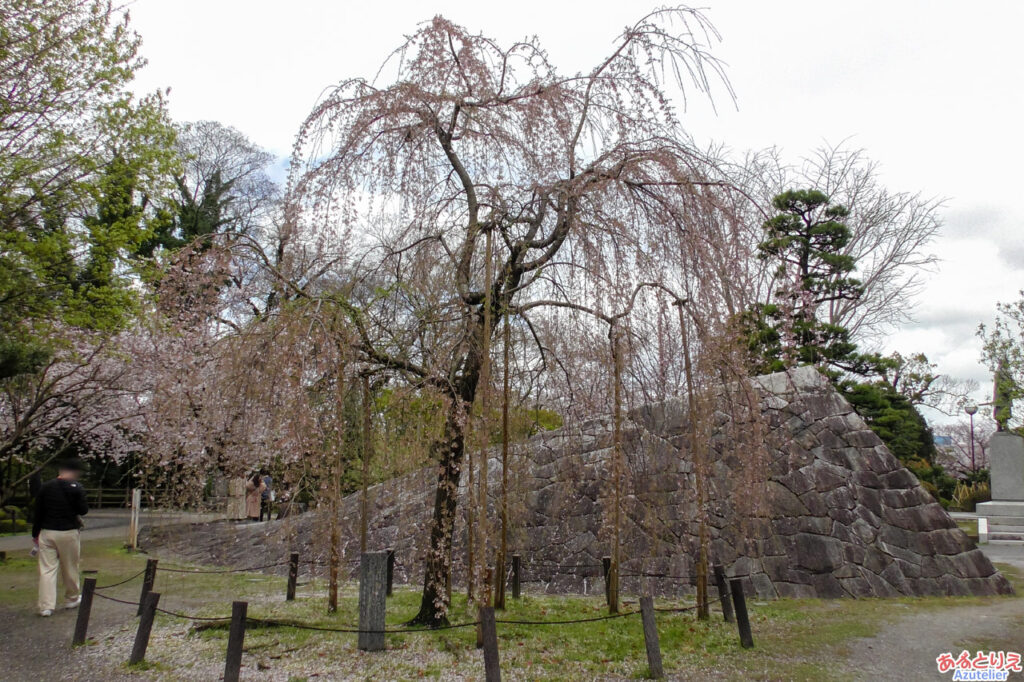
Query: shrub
x,y
966,496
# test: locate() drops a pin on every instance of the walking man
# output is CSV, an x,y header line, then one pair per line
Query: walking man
x,y
59,506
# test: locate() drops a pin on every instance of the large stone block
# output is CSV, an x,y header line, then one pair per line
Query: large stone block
x,y
1006,466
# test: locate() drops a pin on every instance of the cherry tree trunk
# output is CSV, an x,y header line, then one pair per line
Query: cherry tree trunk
x,y
437,574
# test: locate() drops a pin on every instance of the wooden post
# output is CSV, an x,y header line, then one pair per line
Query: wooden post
x,y
606,567
333,561
372,600
236,637
84,610
492,667
517,564
702,577
148,581
293,575
391,571
651,638
3,557
148,607
723,593
364,500
742,621
133,521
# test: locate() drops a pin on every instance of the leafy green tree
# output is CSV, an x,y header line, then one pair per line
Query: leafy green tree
x,y
1003,354
80,155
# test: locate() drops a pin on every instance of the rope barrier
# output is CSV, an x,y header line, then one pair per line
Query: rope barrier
x,y
114,599
323,628
126,580
568,622
225,570
185,616
675,609
395,631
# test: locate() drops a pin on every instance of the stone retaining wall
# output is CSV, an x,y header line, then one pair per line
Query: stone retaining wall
x,y
828,513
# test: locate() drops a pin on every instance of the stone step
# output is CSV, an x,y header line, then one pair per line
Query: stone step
x,y
996,521
1006,535
1000,523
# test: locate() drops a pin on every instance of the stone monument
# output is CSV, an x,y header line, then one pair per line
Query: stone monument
x,y
1006,460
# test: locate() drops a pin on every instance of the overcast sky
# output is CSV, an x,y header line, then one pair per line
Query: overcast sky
x,y
931,89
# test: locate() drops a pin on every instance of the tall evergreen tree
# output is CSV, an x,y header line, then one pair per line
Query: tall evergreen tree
x,y
805,240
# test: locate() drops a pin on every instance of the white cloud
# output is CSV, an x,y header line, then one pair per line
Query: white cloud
x,y
929,87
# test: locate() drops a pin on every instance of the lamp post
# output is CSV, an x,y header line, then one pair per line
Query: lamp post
x,y
971,409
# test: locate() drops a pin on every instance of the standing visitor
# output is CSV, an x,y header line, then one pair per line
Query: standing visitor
x,y
60,505
267,496
254,488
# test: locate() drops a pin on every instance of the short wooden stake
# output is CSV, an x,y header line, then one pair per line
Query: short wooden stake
x,y
148,580
391,571
373,568
606,567
723,593
517,565
3,557
236,637
84,610
492,667
293,576
742,621
654,667
149,603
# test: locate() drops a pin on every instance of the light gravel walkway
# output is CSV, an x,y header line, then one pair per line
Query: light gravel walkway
x,y
906,648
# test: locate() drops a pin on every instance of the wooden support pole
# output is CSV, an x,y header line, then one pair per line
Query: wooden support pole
x,y
489,629
606,568
742,620
293,575
236,637
3,557
651,642
334,560
723,593
133,520
372,600
517,565
84,610
702,579
148,580
391,571
148,606
485,600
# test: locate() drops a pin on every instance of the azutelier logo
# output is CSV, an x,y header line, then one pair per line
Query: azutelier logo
x,y
982,666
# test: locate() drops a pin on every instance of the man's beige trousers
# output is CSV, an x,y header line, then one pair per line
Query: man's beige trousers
x,y
58,550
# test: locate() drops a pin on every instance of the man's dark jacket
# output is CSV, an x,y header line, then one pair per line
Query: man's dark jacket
x,y
58,505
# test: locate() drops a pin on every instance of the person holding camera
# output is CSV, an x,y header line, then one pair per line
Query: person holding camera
x,y
60,505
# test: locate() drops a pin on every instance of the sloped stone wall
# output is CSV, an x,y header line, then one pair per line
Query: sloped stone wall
x,y
828,513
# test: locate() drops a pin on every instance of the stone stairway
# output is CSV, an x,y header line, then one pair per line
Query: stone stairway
x,y
1001,532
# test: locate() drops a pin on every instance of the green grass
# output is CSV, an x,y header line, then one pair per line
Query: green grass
x,y
795,639
969,526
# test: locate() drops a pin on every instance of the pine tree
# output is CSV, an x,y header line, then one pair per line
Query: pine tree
x,y
805,239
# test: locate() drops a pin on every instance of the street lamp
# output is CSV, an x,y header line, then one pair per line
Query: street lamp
x,y
971,409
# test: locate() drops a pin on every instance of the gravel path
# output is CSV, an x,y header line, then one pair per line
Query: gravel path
x,y
906,649
34,649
